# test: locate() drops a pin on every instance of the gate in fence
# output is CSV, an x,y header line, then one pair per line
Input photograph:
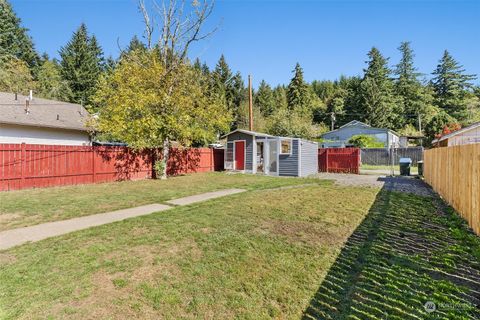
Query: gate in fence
x,y
339,160
387,157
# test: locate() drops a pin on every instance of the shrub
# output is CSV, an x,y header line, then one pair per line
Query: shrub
x,y
365,141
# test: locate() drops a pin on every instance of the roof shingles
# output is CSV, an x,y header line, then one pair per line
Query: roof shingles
x,y
42,113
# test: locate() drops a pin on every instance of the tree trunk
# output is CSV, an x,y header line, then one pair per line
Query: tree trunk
x,y
166,146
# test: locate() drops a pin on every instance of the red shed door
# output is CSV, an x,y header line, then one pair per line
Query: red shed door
x,y
239,155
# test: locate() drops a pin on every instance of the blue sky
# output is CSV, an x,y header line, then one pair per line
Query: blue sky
x,y
266,38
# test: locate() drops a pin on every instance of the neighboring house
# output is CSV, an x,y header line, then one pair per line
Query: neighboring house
x,y
339,138
254,152
467,135
41,121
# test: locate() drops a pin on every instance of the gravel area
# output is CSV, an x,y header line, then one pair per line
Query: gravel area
x,y
397,183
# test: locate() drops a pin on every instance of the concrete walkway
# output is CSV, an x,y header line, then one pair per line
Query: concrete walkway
x,y
15,237
203,197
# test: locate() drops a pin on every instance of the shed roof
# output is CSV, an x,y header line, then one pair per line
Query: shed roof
x,y
252,133
42,113
454,133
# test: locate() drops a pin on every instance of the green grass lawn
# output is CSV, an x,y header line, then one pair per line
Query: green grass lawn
x,y
255,255
34,206
320,251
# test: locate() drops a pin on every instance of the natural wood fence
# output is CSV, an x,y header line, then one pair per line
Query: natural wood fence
x,y
35,166
454,173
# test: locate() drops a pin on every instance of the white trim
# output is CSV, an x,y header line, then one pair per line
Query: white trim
x,y
254,155
291,146
299,150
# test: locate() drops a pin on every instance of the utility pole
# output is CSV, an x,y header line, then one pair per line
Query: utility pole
x,y
333,119
250,103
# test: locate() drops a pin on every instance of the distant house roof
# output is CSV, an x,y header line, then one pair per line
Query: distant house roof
x,y
252,133
356,123
454,133
42,113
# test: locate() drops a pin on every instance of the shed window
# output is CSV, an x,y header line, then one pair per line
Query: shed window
x,y
229,156
285,146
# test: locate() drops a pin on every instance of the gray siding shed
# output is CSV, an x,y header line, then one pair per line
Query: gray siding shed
x,y
248,147
288,163
301,161
309,158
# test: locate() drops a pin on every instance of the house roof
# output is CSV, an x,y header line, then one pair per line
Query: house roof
x,y
361,124
42,113
454,133
355,123
252,133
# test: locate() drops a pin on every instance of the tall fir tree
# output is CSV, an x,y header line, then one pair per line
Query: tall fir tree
x,y
416,100
230,87
81,65
264,99
299,94
14,40
50,84
451,85
377,95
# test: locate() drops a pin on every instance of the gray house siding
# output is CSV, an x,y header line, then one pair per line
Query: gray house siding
x,y
248,146
308,158
288,164
342,135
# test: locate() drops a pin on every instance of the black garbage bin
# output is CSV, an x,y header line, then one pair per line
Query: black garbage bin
x,y
405,164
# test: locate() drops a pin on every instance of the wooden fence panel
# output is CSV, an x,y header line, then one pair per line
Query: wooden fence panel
x,y
33,166
340,160
454,173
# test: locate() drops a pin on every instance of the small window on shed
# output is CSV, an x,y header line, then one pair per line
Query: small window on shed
x,y
285,146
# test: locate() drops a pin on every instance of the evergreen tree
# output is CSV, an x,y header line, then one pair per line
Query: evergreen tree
x,y
450,85
229,87
280,97
50,84
377,96
136,44
14,40
415,98
82,63
299,95
264,99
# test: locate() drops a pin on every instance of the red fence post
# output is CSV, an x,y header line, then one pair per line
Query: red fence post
x,y
326,160
212,168
23,163
94,171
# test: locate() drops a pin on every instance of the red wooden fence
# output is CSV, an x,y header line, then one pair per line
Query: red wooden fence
x,y
340,160
33,166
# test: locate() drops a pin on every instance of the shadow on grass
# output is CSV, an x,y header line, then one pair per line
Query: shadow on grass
x,y
409,250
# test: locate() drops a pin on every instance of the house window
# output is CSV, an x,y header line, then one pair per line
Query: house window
x,y
285,146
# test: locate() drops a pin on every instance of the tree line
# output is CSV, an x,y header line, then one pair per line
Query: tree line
x,y
397,97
